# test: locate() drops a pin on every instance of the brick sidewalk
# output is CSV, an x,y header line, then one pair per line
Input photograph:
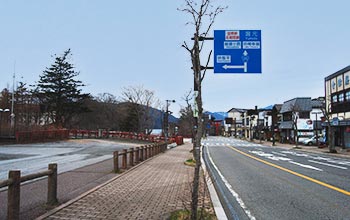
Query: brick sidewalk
x,y
149,191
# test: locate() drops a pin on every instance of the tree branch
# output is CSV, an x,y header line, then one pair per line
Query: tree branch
x,y
206,66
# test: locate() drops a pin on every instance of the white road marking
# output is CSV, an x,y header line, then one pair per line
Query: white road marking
x,y
219,210
306,166
229,187
270,156
327,164
295,154
279,153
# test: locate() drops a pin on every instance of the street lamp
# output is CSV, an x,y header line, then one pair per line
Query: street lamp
x,y
1,111
166,119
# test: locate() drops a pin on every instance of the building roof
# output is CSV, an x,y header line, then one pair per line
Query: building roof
x,y
301,104
317,103
278,107
344,70
267,108
241,110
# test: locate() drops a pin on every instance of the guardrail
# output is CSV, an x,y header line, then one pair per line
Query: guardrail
x,y
136,155
14,188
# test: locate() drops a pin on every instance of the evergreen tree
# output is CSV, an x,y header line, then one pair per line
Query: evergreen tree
x,y
59,92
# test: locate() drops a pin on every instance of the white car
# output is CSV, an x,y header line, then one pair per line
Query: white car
x,y
312,141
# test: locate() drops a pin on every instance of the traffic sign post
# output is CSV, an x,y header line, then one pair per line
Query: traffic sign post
x,y
237,51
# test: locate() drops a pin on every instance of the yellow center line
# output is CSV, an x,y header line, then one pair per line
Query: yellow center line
x,y
294,173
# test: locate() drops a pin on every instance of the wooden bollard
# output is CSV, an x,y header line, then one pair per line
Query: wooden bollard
x,y
131,157
124,161
149,151
146,152
157,149
152,151
14,193
137,156
52,185
116,162
141,153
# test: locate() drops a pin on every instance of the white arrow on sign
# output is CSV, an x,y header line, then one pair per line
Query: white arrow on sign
x,y
245,59
245,66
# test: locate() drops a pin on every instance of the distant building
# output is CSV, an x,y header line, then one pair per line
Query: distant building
x,y
236,116
337,94
305,114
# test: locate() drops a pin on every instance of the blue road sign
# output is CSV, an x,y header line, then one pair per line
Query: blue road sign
x,y
237,51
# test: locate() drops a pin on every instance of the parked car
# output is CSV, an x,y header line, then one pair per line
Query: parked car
x,y
312,141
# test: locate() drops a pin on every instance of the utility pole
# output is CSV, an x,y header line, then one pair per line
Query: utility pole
x,y
12,102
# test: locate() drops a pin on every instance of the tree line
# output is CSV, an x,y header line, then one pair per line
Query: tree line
x,y
58,101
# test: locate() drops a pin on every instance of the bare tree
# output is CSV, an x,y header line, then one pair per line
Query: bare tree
x,y
202,13
142,100
326,110
295,117
28,109
186,116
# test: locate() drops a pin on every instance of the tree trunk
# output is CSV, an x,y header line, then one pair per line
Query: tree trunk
x,y
331,140
198,134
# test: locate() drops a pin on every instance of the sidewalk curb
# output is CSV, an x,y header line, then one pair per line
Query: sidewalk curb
x,y
60,207
218,208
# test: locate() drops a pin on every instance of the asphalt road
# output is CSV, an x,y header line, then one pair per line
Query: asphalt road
x,y
263,182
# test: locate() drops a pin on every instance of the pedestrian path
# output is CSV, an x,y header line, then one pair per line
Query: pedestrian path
x,y
149,191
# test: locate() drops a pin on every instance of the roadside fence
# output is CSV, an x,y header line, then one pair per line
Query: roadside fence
x,y
132,156
41,135
14,189
117,134
62,134
123,160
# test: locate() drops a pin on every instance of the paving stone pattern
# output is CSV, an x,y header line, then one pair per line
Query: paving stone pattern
x,y
151,191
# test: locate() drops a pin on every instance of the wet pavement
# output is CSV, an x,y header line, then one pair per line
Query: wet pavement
x,y
69,155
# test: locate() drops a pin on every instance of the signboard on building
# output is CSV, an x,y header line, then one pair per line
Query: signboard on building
x,y
305,124
237,51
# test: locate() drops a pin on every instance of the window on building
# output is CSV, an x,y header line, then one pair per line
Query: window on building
x,y
341,97
347,80
334,98
287,116
304,115
347,96
333,85
340,82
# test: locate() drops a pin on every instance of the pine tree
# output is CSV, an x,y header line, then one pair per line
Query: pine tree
x,y
59,92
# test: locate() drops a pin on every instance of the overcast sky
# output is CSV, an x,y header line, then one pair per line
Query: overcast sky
x,y
128,43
